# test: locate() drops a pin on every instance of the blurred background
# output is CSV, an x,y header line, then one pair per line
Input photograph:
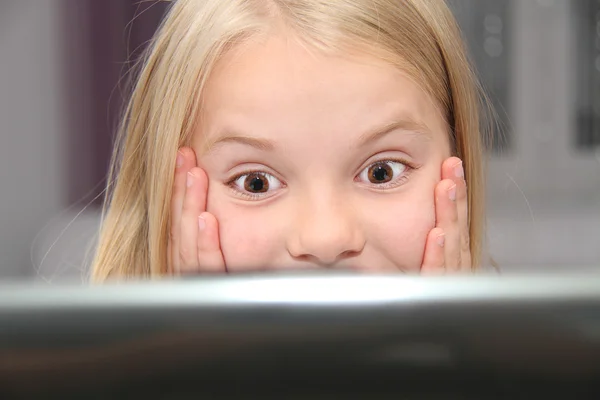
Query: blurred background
x,y
60,67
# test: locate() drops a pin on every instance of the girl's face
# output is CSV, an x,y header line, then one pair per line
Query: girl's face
x,y
319,161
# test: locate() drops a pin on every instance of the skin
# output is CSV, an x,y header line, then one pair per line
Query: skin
x,y
357,161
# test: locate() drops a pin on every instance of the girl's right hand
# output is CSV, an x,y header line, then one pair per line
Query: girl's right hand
x,y
193,233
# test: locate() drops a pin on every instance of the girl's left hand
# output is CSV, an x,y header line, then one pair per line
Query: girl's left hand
x,y
447,249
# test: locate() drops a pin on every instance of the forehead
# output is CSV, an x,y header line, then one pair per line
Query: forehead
x,y
276,83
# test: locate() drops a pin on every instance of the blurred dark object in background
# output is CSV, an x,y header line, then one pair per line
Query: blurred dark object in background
x,y
117,31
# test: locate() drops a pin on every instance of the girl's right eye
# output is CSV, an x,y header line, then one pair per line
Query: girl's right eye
x,y
254,185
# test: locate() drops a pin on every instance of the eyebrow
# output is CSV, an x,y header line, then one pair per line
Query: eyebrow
x,y
231,137
409,125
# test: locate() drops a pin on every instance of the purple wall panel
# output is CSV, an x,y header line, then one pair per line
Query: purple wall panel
x,y
102,37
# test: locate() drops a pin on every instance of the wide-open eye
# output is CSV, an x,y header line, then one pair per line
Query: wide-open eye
x,y
383,172
255,184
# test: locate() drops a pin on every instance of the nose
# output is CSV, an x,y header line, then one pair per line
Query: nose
x,y
326,232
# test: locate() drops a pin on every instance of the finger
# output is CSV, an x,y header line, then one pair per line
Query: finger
x,y
453,169
447,220
210,257
185,160
194,204
434,258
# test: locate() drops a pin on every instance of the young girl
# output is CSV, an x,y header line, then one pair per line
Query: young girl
x,y
296,134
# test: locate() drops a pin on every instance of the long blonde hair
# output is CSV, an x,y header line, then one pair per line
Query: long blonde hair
x,y
419,36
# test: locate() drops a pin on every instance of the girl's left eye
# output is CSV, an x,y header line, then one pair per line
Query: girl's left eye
x,y
384,173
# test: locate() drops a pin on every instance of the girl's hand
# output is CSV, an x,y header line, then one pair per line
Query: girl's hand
x,y
193,233
447,249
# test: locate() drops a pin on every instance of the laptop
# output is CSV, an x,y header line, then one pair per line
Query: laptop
x,y
304,336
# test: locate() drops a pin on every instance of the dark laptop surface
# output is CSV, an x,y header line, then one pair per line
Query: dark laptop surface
x,y
304,337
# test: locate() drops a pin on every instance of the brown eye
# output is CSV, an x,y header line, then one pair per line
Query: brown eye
x,y
384,172
256,183
380,173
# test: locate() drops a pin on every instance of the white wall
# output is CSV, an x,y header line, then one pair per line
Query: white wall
x,y
32,127
544,198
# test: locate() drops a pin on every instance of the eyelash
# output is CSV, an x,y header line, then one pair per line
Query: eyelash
x,y
231,183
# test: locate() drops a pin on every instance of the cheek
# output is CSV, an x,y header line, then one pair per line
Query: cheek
x,y
248,238
399,233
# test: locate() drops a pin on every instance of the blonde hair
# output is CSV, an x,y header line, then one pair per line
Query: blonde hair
x,y
419,36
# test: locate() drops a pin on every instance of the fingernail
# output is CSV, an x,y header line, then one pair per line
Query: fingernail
x,y
459,171
179,161
452,193
201,223
190,179
441,240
